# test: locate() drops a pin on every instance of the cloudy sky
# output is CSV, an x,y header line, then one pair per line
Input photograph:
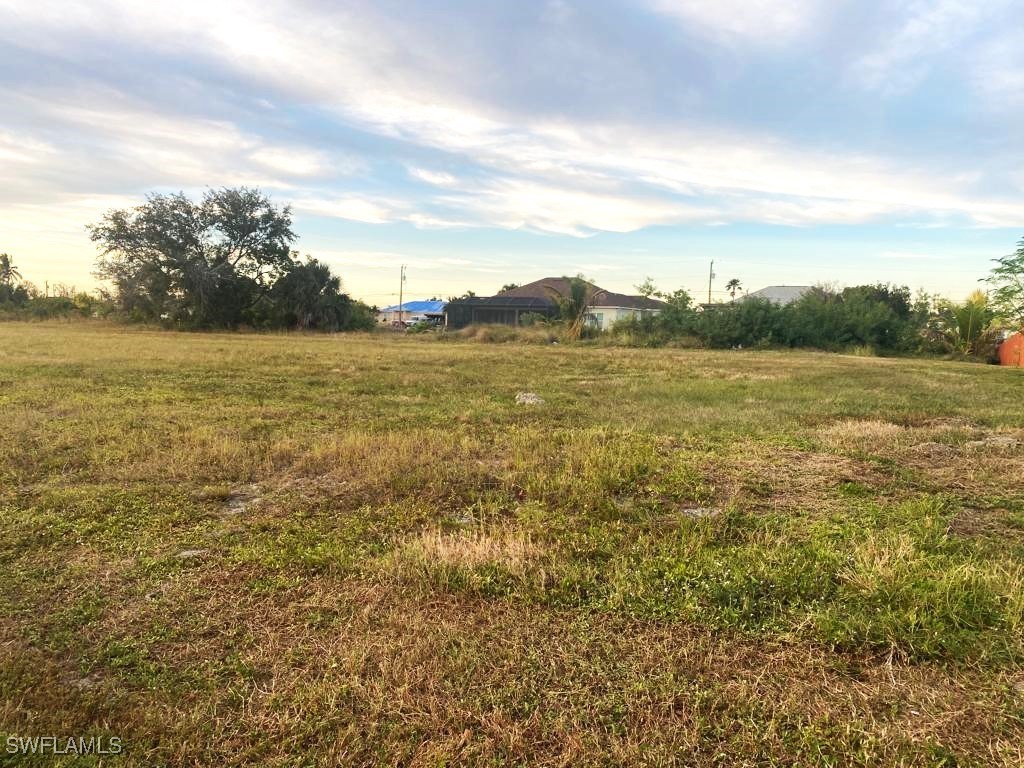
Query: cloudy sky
x,y
486,141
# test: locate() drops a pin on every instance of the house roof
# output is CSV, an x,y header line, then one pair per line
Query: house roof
x,y
543,289
780,294
424,307
610,299
503,300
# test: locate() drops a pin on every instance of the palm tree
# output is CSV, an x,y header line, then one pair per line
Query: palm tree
x,y
573,304
9,273
967,323
732,286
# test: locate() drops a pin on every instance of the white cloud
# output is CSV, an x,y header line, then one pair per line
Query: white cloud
x,y
291,161
351,208
428,221
438,179
548,207
24,149
760,21
928,29
110,139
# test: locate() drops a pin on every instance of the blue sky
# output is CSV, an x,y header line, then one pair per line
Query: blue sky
x,y
797,141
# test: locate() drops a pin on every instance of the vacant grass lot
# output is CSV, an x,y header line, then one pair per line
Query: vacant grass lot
x,y
299,550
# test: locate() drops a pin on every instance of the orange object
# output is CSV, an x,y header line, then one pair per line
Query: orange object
x,y
1011,351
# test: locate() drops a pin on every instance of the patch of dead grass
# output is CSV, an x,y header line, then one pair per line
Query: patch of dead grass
x,y
785,479
997,524
862,435
727,374
513,551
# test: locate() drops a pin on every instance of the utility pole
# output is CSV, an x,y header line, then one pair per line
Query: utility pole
x,y
711,276
401,287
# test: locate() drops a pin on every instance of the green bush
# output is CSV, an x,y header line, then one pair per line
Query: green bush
x,y
880,318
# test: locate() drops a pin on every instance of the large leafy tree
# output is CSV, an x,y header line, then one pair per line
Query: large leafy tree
x,y
1007,281
200,264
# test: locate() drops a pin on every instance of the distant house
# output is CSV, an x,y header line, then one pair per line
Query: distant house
x,y
609,308
538,297
412,311
780,294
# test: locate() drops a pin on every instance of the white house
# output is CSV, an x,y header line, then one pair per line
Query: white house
x,y
611,308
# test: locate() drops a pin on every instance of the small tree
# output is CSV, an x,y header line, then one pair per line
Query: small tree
x,y
678,315
508,287
962,327
647,288
573,304
1007,279
9,274
732,286
12,291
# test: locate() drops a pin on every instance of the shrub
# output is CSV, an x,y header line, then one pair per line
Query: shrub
x,y
498,334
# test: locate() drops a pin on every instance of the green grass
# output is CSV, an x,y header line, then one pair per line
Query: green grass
x,y
682,557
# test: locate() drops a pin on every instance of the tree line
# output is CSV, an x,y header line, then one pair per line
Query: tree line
x,y
882,318
876,318
222,262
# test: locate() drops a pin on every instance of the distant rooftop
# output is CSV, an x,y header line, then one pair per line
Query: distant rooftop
x,y
424,307
547,287
780,294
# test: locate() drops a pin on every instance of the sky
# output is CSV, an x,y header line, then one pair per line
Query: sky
x,y
481,142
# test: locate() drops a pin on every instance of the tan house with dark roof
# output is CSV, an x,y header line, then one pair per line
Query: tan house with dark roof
x,y
538,297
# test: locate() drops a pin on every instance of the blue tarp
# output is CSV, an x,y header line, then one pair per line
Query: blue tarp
x,y
419,307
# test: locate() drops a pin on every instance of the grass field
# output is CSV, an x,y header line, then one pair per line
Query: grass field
x,y
312,550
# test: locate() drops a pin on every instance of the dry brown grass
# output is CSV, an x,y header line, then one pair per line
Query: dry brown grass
x,y
513,551
992,523
757,476
866,434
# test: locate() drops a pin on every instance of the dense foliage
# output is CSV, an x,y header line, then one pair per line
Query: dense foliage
x,y
218,263
1007,281
309,297
881,318
22,300
12,293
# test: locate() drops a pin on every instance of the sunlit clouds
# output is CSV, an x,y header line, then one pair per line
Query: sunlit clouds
x,y
488,134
